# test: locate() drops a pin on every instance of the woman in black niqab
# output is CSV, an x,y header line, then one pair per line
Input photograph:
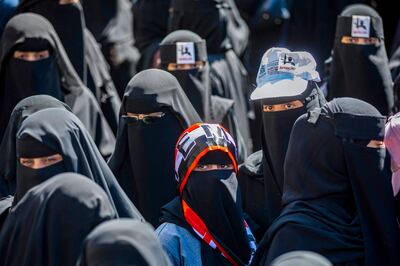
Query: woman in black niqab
x,y
261,177
208,209
144,152
123,242
48,226
337,190
56,131
82,49
53,75
361,70
196,83
22,110
227,73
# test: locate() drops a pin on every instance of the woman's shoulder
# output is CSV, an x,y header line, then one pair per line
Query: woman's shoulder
x,y
181,246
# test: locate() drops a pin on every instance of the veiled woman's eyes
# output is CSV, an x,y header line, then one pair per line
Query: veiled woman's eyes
x,y
27,162
201,166
288,106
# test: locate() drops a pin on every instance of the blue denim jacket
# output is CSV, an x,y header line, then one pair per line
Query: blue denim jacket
x,y
180,245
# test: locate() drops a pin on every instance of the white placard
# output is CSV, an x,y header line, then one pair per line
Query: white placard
x,y
360,26
185,53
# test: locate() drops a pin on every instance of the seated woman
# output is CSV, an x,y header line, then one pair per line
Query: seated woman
x,y
54,141
51,222
204,225
22,110
33,61
123,242
337,199
154,112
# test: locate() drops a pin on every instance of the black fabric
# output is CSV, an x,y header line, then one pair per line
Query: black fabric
x,y
227,74
276,130
5,207
251,183
82,49
33,29
28,177
337,192
361,71
62,132
69,23
123,242
223,29
105,91
195,82
51,222
197,85
224,220
143,157
219,188
150,19
111,23
8,157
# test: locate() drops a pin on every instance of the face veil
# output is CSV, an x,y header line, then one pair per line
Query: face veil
x,y
361,71
343,204
144,151
69,23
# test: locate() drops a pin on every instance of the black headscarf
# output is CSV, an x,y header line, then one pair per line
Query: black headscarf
x,y
150,27
35,30
69,22
227,74
58,131
111,23
212,197
49,225
276,130
123,242
361,71
22,110
143,157
337,192
221,29
197,84
82,49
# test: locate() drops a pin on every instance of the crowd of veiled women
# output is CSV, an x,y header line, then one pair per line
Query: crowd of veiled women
x,y
212,132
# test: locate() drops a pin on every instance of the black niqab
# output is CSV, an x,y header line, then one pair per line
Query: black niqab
x,y
227,74
22,110
219,189
143,157
361,71
123,242
49,225
207,144
276,130
37,30
82,49
69,23
337,192
60,131
195,82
